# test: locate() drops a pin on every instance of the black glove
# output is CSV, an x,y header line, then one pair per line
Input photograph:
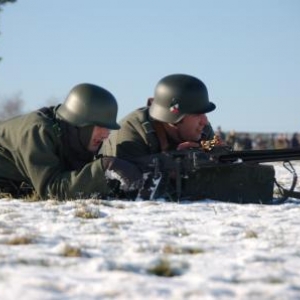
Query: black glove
x,y
121,175
160,161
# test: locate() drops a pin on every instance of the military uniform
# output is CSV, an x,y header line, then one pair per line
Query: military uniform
x,y
143,138
142,132
140,136
43,152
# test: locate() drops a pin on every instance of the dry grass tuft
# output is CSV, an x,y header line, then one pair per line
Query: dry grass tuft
x,y
164,268
19,240
32,197
275,280
71,251
6,196
169,249
250,234
85,212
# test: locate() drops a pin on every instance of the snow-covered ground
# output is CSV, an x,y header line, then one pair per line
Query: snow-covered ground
x,y
93,249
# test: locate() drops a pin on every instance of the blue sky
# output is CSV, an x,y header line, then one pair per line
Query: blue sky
x,y
246,52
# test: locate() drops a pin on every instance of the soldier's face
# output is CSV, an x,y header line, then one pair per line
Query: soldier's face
x,y
99,134
191,126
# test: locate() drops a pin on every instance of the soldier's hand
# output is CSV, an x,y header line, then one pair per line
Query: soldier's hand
x,y
121,174
188,145
161,161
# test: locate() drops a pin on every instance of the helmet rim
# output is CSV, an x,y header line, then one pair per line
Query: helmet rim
x,y
178,95
89,104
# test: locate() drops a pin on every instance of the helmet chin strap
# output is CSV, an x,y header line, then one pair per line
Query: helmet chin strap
x,y
173,132
177,136
84,135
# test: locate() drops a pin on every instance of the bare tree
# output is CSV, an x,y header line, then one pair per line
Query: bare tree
x,y
11,107
6,1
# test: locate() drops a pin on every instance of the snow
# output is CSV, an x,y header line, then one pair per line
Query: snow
x,y
96,249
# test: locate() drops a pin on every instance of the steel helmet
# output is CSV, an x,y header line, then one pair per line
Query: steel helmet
x,y
88,104
178,95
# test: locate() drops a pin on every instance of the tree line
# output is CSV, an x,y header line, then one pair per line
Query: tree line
x,y
11,106
6,1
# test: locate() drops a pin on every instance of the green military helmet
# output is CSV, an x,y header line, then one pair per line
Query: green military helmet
x,y
178,95
88,104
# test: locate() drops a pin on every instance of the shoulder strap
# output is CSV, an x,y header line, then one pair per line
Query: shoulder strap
x,y
49,112
151,136
155,133
156,136
162,136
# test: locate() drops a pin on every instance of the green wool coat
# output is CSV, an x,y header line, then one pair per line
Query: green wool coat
x,y
32,151
137,137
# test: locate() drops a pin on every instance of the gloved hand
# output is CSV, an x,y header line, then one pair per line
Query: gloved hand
x,y
188,145
161,161
121,175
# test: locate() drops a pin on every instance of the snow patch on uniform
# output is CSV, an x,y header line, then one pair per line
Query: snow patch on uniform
x,y
150,184
124,184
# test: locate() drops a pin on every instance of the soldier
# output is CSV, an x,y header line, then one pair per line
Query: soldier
x,y
175,119
52,150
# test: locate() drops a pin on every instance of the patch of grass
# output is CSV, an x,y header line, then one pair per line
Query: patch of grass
x,y
274,280
71,251
169,249
251,234
87,213
33,197
164,268
19,240
55,202
6,196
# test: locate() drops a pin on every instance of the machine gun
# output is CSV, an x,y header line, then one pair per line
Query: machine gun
x,y
218,173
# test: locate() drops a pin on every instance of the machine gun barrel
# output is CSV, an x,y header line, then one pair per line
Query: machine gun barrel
x,y
260,156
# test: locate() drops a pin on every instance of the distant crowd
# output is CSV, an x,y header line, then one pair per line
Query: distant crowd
x,y
256,141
